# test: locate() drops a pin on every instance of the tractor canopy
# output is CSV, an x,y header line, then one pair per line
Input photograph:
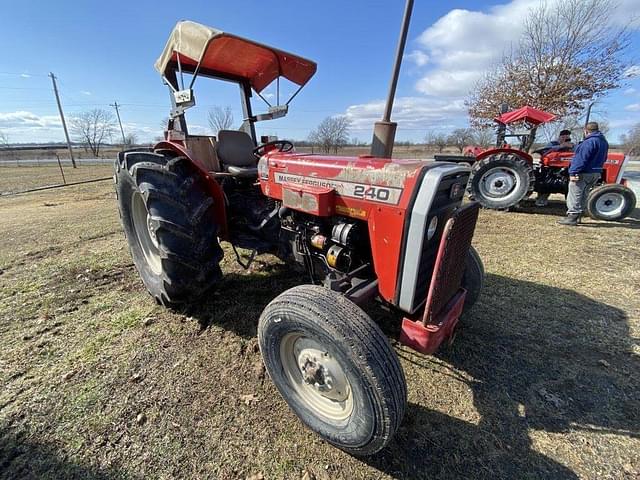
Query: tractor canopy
x,y
528,114
195,48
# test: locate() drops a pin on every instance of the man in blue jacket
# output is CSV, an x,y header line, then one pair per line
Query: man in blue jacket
x,y
585,171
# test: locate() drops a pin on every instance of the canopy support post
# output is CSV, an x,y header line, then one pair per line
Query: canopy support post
x,y
248,124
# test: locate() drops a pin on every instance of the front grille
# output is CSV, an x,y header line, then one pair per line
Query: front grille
x,y
443,206
451,260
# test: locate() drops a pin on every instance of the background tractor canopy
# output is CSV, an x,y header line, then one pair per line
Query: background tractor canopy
x,y
527,114
212,52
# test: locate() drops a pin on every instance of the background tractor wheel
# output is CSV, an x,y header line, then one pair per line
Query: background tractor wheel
x,y
334,367
500,181
473,278
610,202
166,212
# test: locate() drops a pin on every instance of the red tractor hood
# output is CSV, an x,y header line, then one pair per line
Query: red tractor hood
x,y
364,169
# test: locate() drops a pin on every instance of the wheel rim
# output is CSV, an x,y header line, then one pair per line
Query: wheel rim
x,y
610,204
499,182
145,229
316,376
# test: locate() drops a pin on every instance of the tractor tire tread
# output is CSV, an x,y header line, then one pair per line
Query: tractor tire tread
x,y
370,348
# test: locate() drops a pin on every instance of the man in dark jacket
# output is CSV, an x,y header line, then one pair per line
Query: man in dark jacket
x,y
585,170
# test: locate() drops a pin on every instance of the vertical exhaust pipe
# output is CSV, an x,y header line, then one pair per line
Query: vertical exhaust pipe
x,y
384,132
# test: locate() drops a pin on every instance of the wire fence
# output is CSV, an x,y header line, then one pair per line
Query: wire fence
x,y
26,170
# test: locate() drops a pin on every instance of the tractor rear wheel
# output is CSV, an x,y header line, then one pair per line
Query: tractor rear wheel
x,y
334,367
473,278
500,181
610,202
167,216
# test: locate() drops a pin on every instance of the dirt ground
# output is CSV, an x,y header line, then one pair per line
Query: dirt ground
x,y
97,382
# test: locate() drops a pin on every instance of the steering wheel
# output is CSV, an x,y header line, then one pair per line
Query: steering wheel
x,y
282,146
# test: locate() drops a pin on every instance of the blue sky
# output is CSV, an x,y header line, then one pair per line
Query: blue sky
x,y
104,51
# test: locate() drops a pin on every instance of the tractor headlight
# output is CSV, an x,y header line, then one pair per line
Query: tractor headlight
x,y
431,229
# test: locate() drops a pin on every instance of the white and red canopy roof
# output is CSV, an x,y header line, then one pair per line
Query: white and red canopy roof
x,y
229,56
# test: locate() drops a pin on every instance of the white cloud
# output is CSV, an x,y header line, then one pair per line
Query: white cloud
x,y
85,92
268,95
22,119
453,53
25,75
634,107
463,44
633,71
630,91
409,112
418,57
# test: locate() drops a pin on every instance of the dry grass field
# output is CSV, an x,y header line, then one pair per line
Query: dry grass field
x,y
97,382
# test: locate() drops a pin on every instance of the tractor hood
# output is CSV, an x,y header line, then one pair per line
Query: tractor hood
x,y
216,53
324,169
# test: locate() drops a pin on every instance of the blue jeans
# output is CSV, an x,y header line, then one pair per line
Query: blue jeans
x,y
578,191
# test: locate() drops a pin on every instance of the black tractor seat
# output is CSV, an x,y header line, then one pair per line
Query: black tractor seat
x,y
235,151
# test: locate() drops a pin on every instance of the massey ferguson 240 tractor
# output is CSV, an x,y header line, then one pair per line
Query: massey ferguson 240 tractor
x,y
503,176
362,227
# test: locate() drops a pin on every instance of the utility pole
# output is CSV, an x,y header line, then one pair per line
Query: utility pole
x,y
64,124
115,105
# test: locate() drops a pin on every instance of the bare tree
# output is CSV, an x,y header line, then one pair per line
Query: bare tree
x,y
570,53
220,119
631,141
460,138
551,131
130,140
436,140
484,137
93,128
4,140
331,134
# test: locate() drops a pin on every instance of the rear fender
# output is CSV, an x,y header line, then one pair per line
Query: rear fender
x,y
214,187
494,151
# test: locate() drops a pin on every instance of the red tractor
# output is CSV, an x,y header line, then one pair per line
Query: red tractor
x,y
503,176
361,227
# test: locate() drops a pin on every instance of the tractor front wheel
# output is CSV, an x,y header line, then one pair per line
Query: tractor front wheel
x,y
167,216
334,367
610,202
500,181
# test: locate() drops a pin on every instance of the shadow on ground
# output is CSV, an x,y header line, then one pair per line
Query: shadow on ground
x,y
24,459
237,302
541,358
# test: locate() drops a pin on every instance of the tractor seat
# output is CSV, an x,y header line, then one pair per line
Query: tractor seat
x,y
235,151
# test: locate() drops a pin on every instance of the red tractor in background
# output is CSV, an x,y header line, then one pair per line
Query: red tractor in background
x,y
360,227
504,175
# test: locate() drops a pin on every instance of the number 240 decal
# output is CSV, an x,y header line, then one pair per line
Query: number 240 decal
x,y
374,193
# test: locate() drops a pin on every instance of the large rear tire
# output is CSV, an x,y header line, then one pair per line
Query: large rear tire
x,y
334,367
501,180
168,221
611,202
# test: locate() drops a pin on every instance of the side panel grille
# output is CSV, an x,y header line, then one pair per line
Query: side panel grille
x,y
451,259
